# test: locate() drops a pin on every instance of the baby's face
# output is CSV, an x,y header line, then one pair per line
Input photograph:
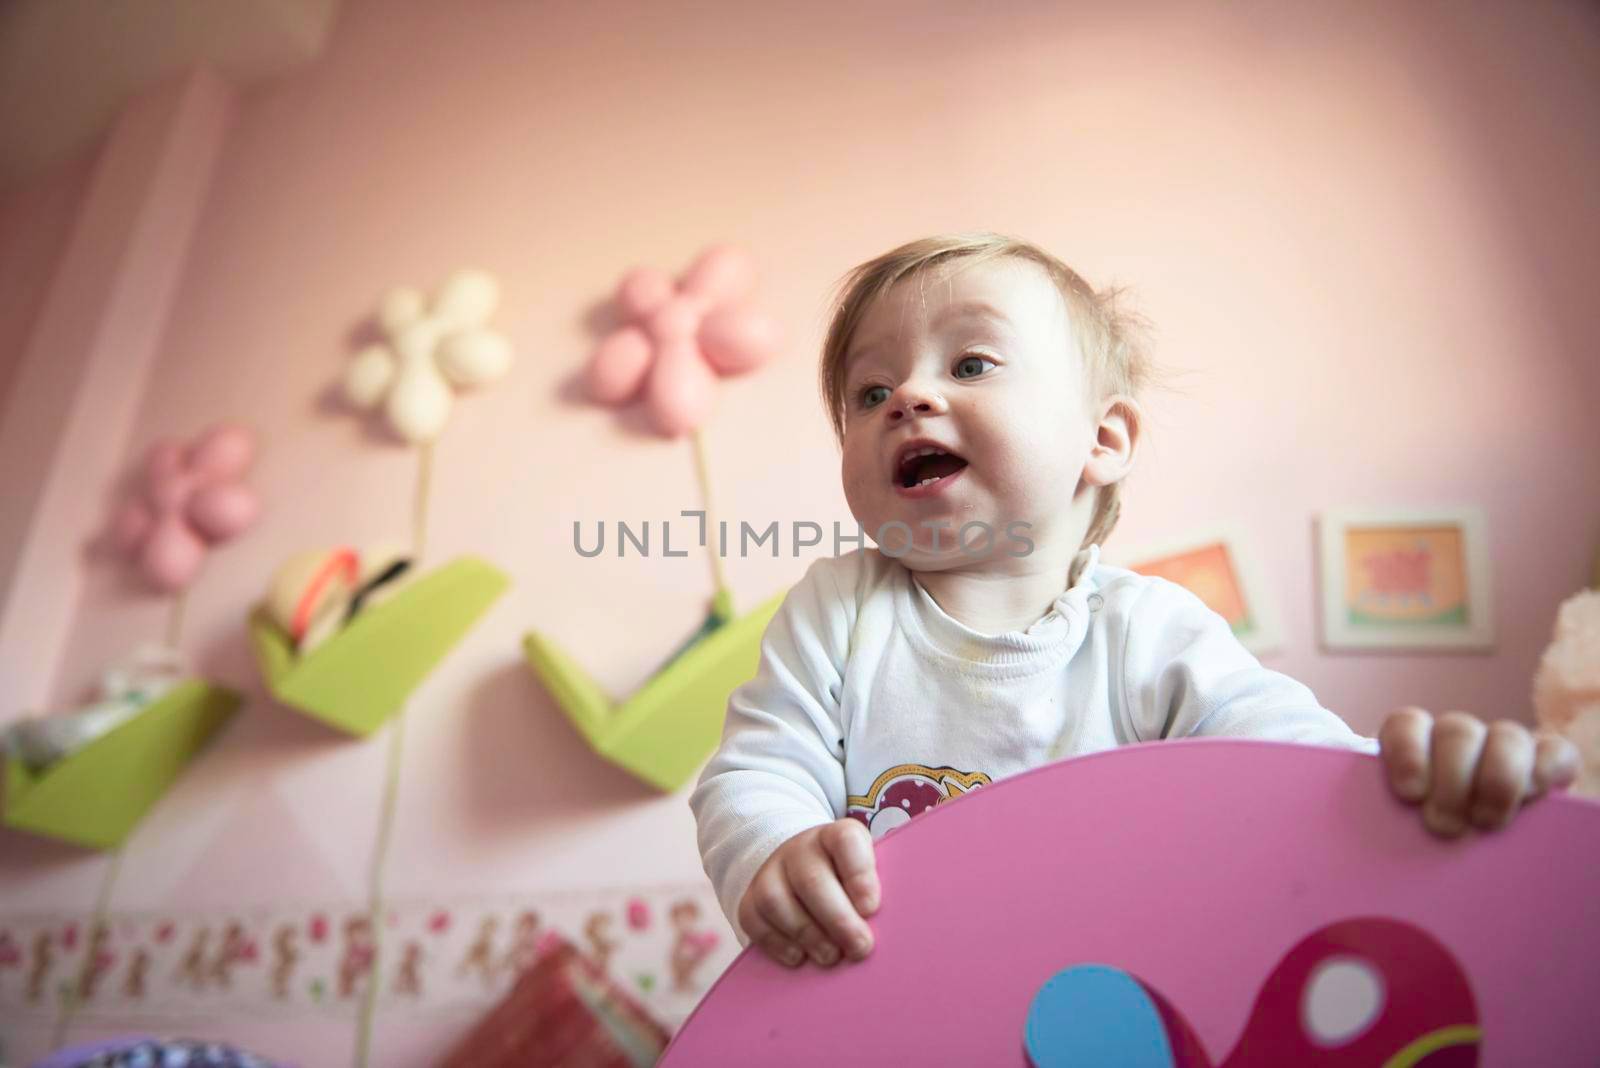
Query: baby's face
x,y
966,401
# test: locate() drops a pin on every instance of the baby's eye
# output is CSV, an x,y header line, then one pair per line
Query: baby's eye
x,y
873,396
973,366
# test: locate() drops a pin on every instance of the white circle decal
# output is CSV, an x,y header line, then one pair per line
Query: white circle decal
x,y
1342,998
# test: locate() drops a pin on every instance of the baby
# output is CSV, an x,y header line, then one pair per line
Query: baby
x,y
985,398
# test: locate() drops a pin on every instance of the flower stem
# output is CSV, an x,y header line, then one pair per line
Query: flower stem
x,y
419,512
380,856
175,619
718,581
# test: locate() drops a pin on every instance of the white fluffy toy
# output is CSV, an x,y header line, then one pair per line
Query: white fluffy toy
x,y
1566,688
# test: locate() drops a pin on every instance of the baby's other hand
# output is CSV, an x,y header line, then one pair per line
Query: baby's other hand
x,y
811,894
1463,771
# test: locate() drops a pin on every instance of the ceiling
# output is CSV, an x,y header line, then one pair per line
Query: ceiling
x,y
66,66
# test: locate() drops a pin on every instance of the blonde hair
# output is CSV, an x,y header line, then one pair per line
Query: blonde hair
x,y
1111,337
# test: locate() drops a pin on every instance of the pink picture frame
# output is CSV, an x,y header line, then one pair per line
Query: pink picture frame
x,y
1218,565
1406,579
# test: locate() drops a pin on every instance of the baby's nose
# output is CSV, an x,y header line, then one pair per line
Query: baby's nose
x,y
909,402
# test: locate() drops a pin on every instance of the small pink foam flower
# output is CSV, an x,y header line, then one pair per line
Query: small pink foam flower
x,y
189,498
676,338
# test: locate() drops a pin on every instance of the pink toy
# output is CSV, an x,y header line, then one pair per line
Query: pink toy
x,y
191,497
1209,902
675,339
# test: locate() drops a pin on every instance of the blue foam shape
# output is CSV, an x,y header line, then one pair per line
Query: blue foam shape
x,y
1091,1015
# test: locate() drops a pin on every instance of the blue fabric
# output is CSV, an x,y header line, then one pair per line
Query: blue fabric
x,y
152,1053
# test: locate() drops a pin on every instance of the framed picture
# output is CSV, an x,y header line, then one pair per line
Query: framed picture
x,y
1406,580
1218,567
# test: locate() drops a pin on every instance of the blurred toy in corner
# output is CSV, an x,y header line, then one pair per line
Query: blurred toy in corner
x,y
1566,688
316,593
127,687
564,1010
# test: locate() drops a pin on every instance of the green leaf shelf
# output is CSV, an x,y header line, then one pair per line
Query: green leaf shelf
x,y
361,676
666,730
96,796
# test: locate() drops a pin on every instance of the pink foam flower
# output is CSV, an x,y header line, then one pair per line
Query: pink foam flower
x,y
189,498
676,338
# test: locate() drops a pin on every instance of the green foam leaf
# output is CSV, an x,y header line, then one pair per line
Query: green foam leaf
x,y
96,796
361,676
667,729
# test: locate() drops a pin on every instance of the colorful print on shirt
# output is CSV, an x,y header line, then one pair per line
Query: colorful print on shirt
x,y
907,790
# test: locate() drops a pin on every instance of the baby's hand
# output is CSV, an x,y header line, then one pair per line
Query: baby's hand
x,y
1463,771
811,895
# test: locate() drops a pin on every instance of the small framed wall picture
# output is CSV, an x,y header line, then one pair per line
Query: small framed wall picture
x,y
1218,566
1406,579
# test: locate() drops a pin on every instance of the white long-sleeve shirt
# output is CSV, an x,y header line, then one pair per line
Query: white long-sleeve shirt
x,y
870,701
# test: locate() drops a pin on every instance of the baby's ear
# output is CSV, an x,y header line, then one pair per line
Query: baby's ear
x,y
1116,443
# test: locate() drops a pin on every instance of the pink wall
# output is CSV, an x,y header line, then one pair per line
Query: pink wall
x,y
1367,239
35,221
88,359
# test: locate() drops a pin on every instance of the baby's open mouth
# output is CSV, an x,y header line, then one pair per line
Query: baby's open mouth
x,y
925,465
